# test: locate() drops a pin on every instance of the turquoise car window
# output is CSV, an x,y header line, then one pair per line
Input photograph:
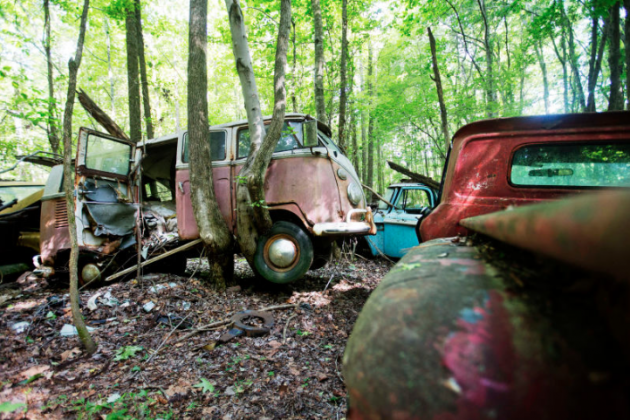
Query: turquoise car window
x,y
388,196
413,201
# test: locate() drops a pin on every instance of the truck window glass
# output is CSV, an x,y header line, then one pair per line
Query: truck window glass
x,y
415,200
217,146
291,138
388,196
107,155
572,165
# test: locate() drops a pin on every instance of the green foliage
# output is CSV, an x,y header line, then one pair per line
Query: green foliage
x,y
9,407
204,386
127,352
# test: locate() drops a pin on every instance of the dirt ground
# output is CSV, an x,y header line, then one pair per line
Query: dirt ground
x,y
146,367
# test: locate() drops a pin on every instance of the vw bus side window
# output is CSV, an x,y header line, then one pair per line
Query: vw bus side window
x,y
572,165
107,155
217,146
291,138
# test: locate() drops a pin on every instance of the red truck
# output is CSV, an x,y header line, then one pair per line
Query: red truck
x,y
531,327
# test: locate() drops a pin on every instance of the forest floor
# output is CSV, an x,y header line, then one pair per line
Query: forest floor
x,y
293,372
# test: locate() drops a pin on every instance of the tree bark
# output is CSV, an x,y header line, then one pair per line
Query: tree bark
x,y
626,5
575,67
252,221
538,46
101,117
343,95
491,94
615,102
595,62
135,124
355,146
212,226
68,184
438,85
110,72
370,157
294,69
52,123
426,180
320,104
146,103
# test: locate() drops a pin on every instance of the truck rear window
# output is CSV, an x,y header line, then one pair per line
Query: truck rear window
x,y
572,165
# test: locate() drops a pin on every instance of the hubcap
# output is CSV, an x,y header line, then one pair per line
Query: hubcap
x,y
282,252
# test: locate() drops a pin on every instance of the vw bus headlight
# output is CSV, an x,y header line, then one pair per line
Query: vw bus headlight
x,y
354,193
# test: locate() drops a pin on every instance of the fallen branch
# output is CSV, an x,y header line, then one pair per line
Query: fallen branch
x,y
284,333
429,182
165,340
100,116
379,197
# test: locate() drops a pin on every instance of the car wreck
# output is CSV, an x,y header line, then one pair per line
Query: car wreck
x,y
115,179
528,318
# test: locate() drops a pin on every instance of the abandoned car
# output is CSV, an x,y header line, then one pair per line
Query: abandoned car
x,y
491,331
312,191
396,221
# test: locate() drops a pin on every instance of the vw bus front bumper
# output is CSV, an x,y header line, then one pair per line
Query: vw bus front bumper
x,y
349,227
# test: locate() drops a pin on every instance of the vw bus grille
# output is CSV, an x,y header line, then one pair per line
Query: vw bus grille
x,y
61,214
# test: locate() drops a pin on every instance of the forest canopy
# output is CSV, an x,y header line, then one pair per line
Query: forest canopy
x,y
492,58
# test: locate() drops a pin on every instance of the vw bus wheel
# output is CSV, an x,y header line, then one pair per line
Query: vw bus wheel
x,y
285,254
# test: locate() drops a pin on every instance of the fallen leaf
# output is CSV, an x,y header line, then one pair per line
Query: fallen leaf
x,y
70,354
321,377
35,370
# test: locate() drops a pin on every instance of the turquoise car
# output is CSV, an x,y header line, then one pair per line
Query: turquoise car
x,y
396,225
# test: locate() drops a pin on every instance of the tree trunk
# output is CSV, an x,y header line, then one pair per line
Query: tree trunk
x,y
615,102
212,227
426,180
538,46
491,95
51,124
320,103
294,69
252,221
68,185
143,72
595,62
370,157
438,85
355,146
626,5
343,97
110,72
575,67
135,124
100,116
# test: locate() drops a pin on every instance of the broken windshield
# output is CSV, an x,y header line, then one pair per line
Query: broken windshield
x,y
107,155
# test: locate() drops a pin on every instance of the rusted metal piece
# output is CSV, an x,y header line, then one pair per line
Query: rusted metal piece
x,y
444,337
590,231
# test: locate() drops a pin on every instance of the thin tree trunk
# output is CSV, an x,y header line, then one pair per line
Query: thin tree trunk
x,y
595,63
575,67
626,5
491,95
615,103
320,103
294,69
51,126
254,220
538,46
343,97
370,157
438,85
562,57
135,124
355,146
110,72
212,226
143,72
68,184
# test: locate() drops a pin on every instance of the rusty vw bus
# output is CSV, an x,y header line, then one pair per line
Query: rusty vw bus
x,y
312,191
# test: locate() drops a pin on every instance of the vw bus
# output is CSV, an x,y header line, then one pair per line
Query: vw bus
x,y
312,191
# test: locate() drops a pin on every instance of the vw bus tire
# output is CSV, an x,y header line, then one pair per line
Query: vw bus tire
x,y
285,254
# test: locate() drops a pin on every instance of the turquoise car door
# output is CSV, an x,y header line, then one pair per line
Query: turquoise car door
x,y
399,224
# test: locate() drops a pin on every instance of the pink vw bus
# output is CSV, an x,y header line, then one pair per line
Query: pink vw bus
x,y
312,190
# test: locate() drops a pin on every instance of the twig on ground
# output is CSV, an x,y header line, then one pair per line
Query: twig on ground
x,y
327,284
284,333
165,340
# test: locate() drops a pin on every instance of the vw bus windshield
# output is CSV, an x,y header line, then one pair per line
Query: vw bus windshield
x,y
291,138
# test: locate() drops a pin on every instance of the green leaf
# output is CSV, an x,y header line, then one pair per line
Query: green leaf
x,y
127,352
205,386
9,407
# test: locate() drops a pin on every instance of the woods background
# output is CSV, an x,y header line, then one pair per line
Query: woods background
x,y
494,59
